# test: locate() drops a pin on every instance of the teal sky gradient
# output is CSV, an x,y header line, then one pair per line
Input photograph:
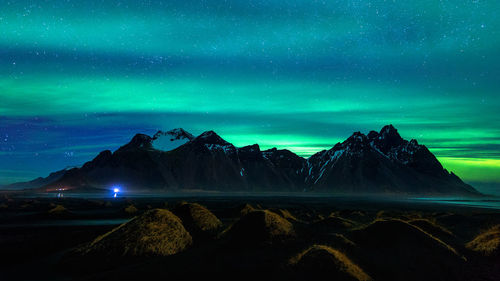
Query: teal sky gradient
x,y
77,77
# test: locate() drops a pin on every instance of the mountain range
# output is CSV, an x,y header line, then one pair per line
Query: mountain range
x,y
379,162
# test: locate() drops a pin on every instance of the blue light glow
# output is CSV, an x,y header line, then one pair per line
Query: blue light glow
x,y
116,190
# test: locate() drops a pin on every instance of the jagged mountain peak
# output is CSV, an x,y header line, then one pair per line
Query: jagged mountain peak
x,y
207,134
211,137
174,134
355,144
139,141
386,140
162,140
388,132
388,129
275,150
250,148
357,137
363,162
169,140
210,141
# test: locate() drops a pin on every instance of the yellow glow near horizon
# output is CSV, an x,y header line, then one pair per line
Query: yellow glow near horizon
x,y
473,169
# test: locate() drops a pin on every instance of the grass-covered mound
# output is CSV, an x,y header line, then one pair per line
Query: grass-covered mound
x,y
334,222
197,219
487,242
284,213
396,250
130,209
261,226
58,211
351,214
434,229
245,209
155,233
321,260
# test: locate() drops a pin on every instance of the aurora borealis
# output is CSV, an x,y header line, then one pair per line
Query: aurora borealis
x,y
78,77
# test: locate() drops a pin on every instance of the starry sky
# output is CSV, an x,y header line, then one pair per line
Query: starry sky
x,y
78,77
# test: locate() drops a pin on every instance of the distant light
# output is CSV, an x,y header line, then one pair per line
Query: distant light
x,y
116,190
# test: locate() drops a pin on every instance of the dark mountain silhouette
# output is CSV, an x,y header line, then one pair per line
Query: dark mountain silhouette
x,y
206,162
380,162
40,181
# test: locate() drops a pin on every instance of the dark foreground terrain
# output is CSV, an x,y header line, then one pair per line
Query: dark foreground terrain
x,y
245,238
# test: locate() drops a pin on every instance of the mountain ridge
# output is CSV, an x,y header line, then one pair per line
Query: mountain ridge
x,y
378,162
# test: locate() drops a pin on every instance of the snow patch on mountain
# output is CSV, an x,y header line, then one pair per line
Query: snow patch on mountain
x,y
166,141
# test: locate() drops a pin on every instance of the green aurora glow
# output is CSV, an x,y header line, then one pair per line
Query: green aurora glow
x,y
77,77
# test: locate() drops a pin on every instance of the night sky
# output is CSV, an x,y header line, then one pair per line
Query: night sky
x,y
78,77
